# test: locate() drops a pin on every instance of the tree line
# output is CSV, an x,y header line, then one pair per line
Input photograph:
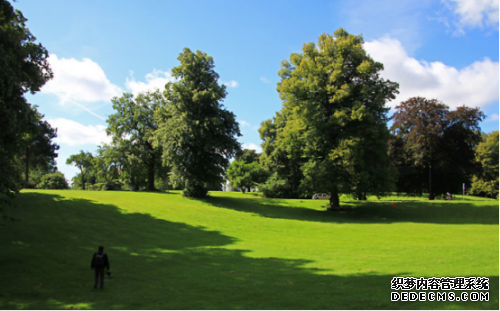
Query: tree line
x,y
331,135
27,152
182,136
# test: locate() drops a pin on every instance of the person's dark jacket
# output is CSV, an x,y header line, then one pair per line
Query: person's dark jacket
x,y
105,261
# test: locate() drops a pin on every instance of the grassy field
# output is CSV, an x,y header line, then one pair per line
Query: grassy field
x,y
239,251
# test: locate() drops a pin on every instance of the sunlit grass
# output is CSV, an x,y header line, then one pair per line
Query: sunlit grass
x,y
239,251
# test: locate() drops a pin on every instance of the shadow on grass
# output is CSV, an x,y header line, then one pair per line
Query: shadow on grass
x,y
367,212
158,264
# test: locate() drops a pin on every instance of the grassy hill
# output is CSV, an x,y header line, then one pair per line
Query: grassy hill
x,y
239,251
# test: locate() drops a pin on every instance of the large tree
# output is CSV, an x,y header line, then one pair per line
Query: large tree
x,y
23,68
195,130
336,101
132,128
433,147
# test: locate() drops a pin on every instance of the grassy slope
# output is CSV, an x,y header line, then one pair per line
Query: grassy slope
x,y
239,251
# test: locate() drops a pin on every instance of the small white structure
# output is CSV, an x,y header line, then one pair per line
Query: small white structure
x,y
227,186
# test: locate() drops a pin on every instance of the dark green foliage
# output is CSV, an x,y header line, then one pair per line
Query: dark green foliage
x,y
195,189
433,147
39,150
283,148
113,185
53,181
23,68
275,187
485,181
247,156
196,132
36,173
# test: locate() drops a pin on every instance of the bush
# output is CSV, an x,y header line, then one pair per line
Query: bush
x,y
53,181
275,187
484,188
113,185
31,184
195,189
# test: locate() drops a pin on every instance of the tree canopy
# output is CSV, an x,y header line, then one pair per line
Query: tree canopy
x,y
39,150
334,116
433,147
84,162
196,132
485,180
23,68
132,128
245,171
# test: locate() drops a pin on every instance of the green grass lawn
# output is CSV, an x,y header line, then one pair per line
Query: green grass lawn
x,y
239,251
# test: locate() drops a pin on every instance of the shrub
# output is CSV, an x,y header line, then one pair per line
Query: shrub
x,y
195,189
275,187
113,185
53,181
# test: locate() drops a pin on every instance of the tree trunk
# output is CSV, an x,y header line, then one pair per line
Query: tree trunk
x,y
83,180
334,201
26,169
151,174
362,196
431,192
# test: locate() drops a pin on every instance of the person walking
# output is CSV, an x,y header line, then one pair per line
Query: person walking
x,y
99,262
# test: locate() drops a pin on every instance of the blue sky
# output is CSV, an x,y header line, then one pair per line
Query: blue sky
x,y
99,49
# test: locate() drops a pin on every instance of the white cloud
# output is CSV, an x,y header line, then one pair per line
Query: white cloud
x,y
243,123
476,85
154,80
475,13
493,117
252,146
265,80
80,81
231,84
72,133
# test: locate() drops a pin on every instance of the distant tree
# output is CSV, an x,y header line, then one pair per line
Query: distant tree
x,y
283,148
246,175
83,161
196,132
485,181
247,156
336,100
107,163
37,172
53,181
23,68
433,147
132,128
461,136
39,150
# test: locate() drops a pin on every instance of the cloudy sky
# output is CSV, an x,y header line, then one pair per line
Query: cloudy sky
x,y
99,49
